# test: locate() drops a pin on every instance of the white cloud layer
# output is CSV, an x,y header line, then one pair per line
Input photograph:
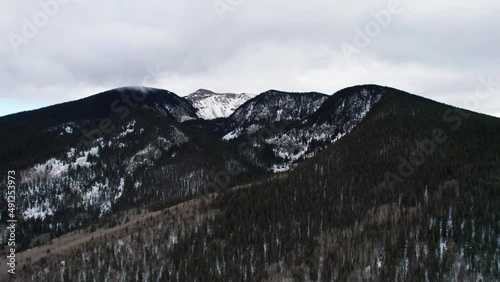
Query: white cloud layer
x,y
59,50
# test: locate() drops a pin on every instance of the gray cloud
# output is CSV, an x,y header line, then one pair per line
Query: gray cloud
x,y
438,50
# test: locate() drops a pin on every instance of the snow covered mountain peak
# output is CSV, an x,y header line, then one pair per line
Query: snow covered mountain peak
x,y
203,93
213,105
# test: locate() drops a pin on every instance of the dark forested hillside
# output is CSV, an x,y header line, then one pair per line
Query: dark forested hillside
x,y
82,161
47,129
408,191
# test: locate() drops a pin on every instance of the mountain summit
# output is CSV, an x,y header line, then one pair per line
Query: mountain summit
x,y
213,105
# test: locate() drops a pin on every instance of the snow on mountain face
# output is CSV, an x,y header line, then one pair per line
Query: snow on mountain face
x,y
91,186
314,122
336,118
212,105
272,106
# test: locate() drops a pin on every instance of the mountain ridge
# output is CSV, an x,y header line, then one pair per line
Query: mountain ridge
x,y
332,209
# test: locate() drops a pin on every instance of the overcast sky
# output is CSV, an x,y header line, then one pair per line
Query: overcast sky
x,y
68,49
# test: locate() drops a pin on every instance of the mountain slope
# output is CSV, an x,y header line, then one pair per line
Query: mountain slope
x,y
272,106
411,193
98,155
392,187
30,131
86,160
212,105
307,122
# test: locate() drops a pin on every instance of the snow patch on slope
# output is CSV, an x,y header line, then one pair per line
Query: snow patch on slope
x,y
152,152
55,168
39,211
